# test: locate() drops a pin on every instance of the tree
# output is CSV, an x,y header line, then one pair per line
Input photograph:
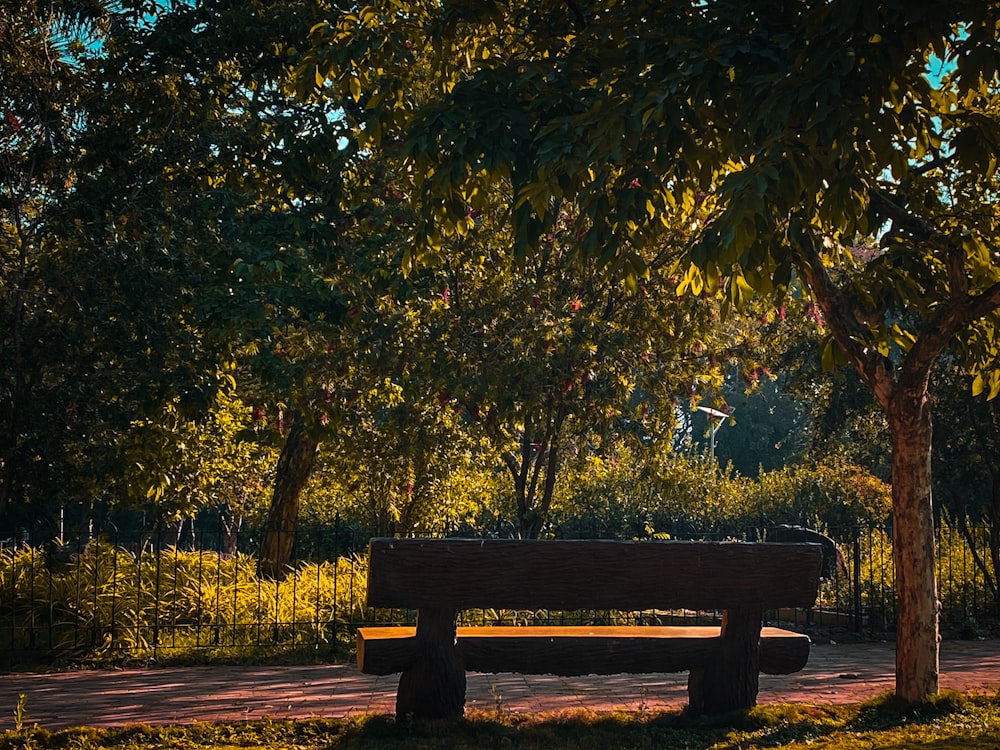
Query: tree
x,y
220,199
41,46
549,358
545,358
850,145
769,429
182,466
405,465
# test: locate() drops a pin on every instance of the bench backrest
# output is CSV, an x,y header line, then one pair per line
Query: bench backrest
x,y
584,574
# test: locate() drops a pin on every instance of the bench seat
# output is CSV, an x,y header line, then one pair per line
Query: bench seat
x,y
578,649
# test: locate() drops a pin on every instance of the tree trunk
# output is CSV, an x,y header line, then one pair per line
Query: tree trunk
x,y
229,529
529,525
170,535
909,415
294,467
541,462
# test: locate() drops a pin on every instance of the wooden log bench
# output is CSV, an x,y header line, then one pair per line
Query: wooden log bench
x,y
440,577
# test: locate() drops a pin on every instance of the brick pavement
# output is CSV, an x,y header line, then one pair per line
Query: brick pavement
x,y
844,673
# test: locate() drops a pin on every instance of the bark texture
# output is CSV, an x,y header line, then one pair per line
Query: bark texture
x,y
295,464
917,648
433,686
579,574
729,681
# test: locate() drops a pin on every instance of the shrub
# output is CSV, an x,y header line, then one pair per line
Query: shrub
x,y
638,494
115,602
965,586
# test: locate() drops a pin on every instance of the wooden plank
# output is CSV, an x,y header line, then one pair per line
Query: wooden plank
x,y
729,680
576,650
573,575
433,683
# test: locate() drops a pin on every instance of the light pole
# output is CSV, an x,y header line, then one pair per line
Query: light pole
x,y
713,415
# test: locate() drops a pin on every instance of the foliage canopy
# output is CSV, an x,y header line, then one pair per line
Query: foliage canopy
x,y
848,145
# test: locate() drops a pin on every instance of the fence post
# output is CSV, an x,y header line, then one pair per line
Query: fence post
x,y
31,577
113,551
856,582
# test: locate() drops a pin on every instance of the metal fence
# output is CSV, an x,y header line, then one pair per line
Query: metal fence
x,y
153,595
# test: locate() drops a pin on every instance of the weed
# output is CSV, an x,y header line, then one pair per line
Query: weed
x,y
20,712
498,707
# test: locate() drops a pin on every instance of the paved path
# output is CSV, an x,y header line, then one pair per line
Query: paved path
x,y
835,674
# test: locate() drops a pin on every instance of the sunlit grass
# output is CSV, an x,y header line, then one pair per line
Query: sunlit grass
x,y
951,721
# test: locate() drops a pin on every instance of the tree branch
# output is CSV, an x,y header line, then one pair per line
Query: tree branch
x,y
916,226
842,314
937,161
983,304
960,312
958,281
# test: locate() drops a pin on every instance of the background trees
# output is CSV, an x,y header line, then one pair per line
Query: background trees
x,y
40,105
550,358
462,232
798,131
966,470
234,276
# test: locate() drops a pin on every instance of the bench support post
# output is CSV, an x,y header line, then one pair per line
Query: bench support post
x,y
729,680
434,685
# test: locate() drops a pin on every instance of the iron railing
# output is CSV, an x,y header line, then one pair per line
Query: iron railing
x,y
151,595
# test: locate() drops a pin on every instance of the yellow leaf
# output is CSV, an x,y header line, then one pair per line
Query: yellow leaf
x,y
978,385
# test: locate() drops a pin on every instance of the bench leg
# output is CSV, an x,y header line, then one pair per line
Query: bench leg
x,y
434,685
729,681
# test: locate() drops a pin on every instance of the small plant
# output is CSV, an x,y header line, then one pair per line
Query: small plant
x,y
498,707
19,712
643,705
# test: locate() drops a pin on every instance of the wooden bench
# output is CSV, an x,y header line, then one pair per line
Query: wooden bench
x,y
439,577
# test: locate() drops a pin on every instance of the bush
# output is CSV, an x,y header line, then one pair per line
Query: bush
x,y
966,576
638,495
113,602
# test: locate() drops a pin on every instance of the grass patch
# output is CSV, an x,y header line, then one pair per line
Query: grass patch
x,y
950,721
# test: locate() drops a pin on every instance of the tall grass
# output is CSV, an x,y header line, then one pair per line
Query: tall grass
x,y
963,589
113,602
